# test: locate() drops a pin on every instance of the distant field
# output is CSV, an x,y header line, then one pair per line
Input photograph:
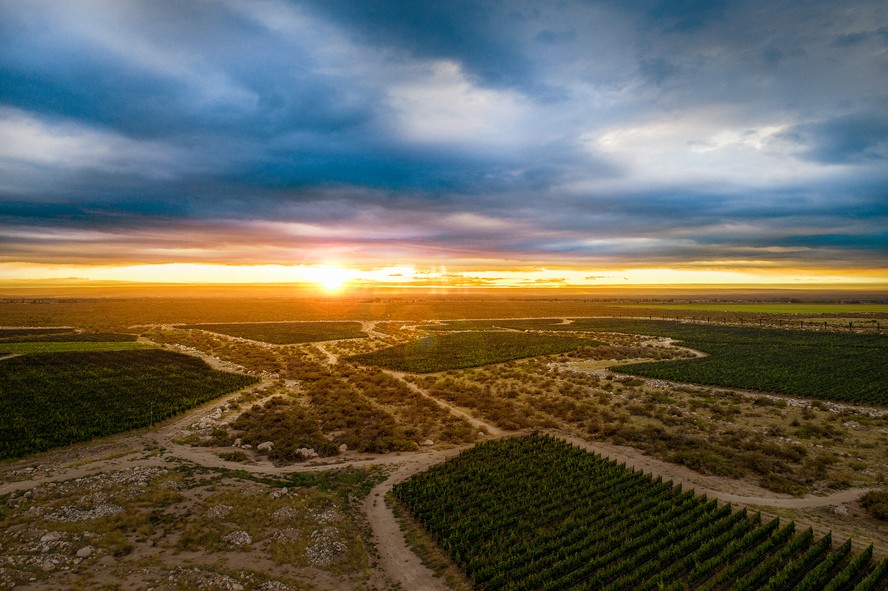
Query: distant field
x,y
49,400
775,308
6,333
68,337
286,333
529,324
468,349
22,348
827,365
531,513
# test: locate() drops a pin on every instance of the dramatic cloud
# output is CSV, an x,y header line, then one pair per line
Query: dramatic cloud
x,y
586,134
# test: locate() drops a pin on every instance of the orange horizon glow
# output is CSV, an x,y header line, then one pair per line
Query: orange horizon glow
x,y
335,278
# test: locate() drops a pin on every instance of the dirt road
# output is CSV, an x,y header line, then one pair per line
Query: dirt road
x,y
474,421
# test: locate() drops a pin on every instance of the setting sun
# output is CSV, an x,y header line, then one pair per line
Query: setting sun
x,y
331,279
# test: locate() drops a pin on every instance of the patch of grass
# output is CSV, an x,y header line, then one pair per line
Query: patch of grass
x,y
233,456
876,503
286,333
440,352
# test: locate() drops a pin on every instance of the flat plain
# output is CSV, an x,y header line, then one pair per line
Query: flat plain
x,y
278,478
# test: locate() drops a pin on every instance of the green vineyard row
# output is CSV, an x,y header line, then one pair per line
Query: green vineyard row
x,y
440,352
537,514
825,365
49,400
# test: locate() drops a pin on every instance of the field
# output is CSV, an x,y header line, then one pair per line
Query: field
x,y
55,340
267,489
286,333
500,324
433,353
534,513
825,365
48,400
24,348
809,309
30,336
829,366
10,333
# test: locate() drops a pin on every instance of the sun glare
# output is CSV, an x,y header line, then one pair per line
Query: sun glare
x,y
331,279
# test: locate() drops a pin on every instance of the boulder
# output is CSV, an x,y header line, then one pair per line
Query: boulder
x,y
52,536
265,446
85,552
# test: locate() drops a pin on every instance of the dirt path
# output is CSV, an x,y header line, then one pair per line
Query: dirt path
x,y
332,359
396,558
476,422
725,489
369,327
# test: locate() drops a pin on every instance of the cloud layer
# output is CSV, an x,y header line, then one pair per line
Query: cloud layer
x,y
733,133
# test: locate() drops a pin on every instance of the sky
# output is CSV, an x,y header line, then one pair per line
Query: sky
x,y
495,142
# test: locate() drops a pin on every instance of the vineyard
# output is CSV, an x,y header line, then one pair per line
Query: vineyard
x,y
536,514
25,348
62,340
9,333
49,400
440,352
53,335
286,333
506,324
826,365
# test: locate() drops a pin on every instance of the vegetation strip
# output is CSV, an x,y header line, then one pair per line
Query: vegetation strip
x,y
69,347
825,365
440,352
535,513
286,333
800,308
49,400
67,337
829,366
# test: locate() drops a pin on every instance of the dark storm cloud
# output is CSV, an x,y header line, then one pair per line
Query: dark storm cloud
x,y
845,139
586,130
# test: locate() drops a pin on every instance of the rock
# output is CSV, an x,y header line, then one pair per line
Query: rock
x,y
238,538
237,442
85,552
52,536
265,446
247,446
306,453
841,511
428,442
47,566
343,448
